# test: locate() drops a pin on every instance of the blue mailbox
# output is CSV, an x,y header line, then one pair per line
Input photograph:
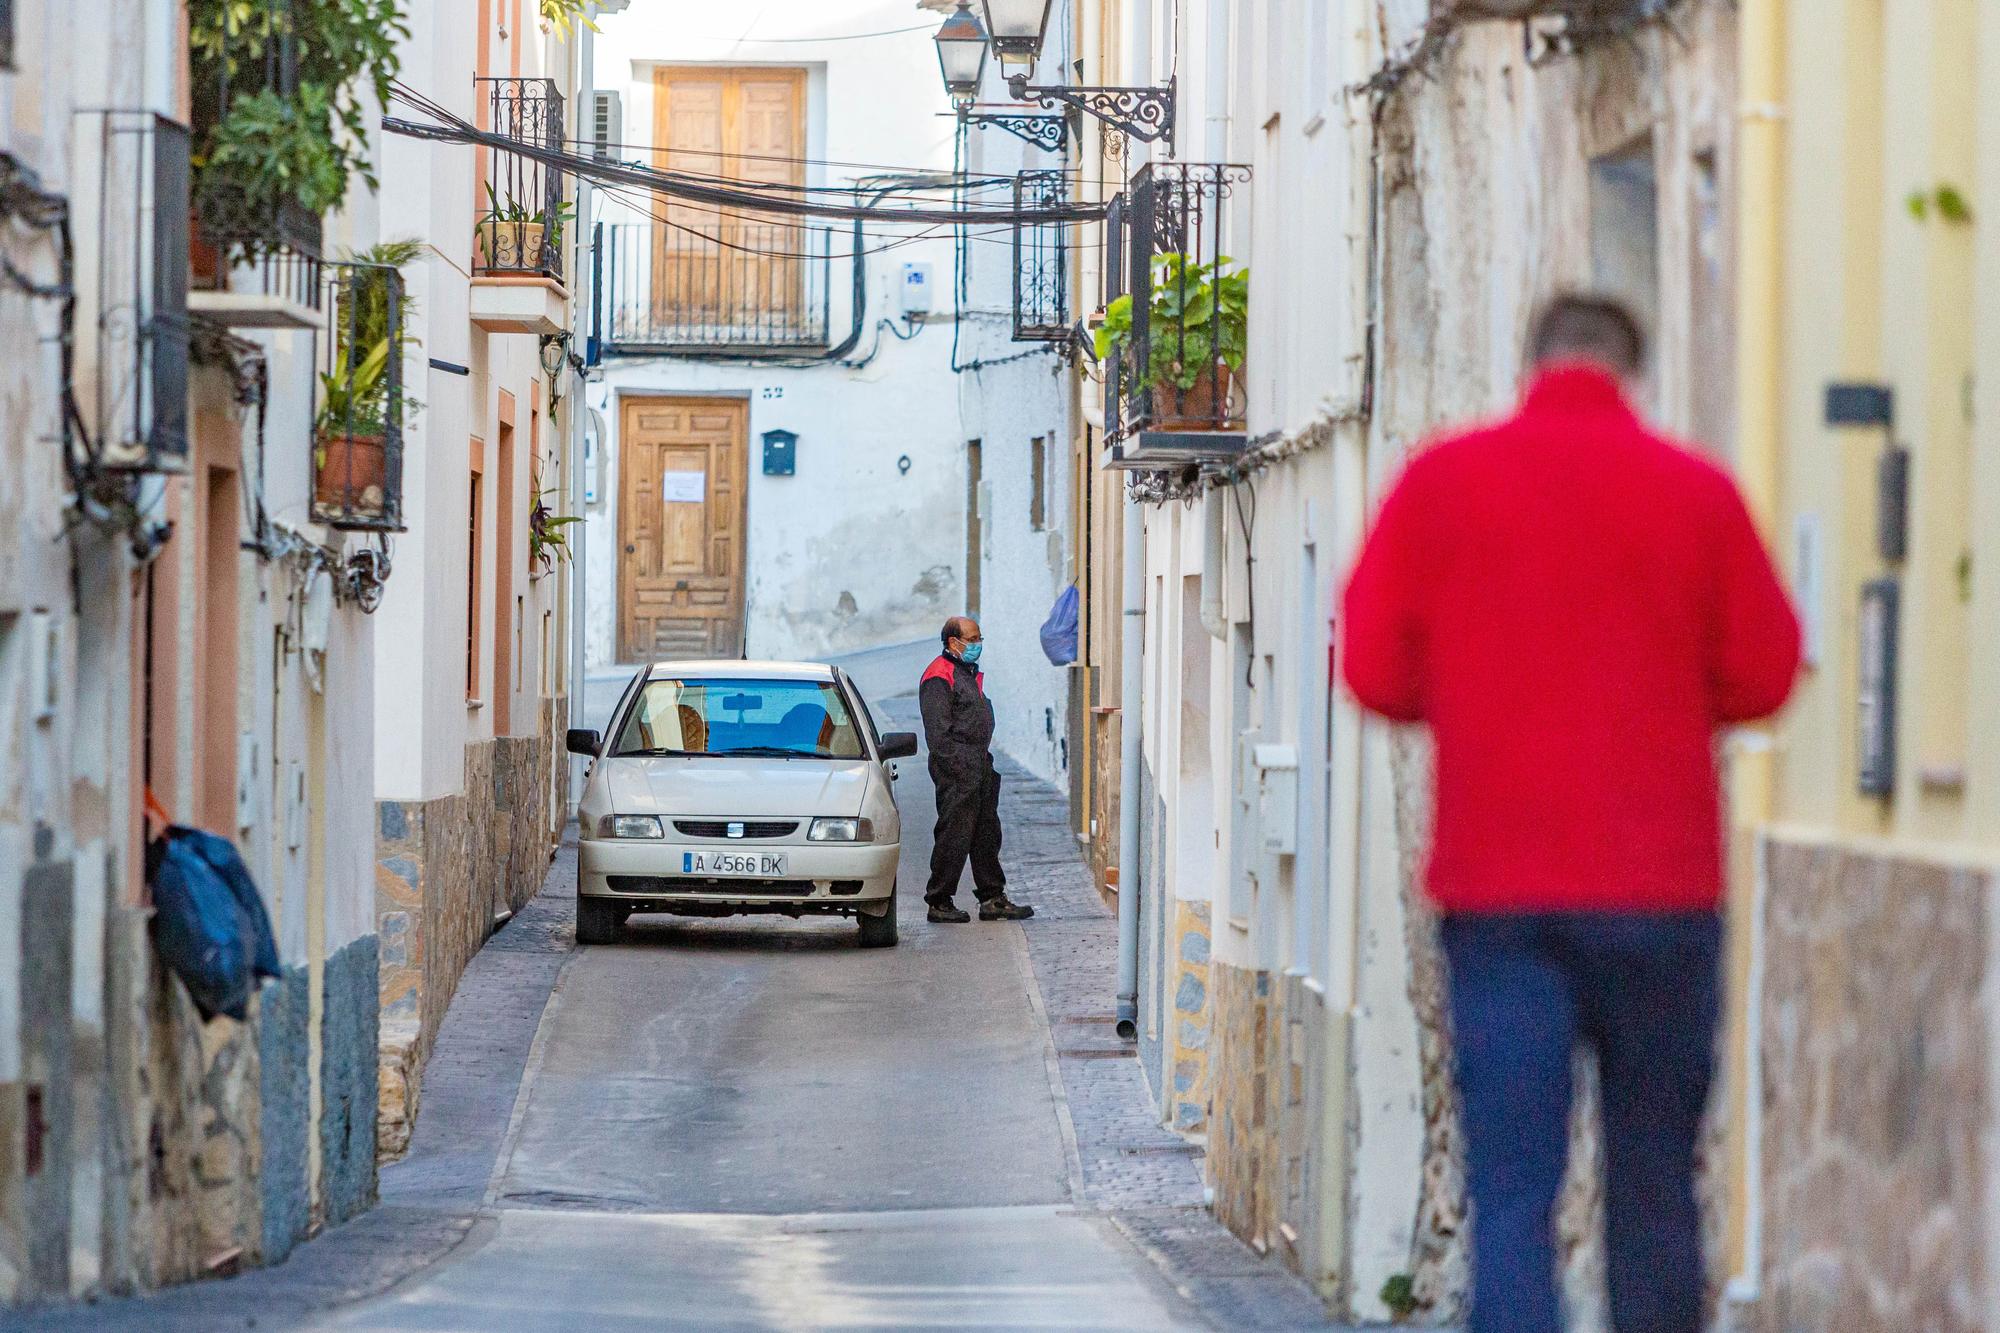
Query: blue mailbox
x,y
781,453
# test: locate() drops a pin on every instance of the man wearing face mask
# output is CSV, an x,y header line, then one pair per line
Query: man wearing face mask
x,y
958,728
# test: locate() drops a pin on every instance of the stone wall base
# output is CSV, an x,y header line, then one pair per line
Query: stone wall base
x,y
1875,1055
1265,1079
446,870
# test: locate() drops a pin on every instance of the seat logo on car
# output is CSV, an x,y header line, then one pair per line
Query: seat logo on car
x,y
735,829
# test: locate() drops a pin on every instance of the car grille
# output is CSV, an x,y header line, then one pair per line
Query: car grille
x,y
665,886
752,828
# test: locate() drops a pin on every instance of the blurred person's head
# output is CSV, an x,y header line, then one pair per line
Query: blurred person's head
x,y
1596,330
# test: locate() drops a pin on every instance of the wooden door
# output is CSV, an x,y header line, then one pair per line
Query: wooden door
x,y
730,269
681,466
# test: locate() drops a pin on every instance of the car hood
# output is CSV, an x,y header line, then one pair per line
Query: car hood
x,y
736,788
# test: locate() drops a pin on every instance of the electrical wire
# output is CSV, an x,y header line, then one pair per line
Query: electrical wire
x,y
450,128
843,37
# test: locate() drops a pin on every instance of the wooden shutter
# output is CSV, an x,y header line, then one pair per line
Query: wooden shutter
x,y
725,270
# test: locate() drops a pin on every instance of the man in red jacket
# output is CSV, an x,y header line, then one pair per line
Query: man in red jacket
x,y
1575,605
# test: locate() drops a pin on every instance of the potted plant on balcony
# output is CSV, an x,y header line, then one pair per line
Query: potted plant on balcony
x,y
350,435
1197,334
270,156
361,405
511,237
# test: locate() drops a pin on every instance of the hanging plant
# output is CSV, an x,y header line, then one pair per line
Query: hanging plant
x,y
262,149
548,543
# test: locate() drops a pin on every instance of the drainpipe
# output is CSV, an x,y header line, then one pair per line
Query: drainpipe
x,y
1215,118
1760,228
1132,642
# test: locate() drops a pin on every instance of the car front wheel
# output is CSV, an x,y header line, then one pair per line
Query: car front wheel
x,y
596,921
879,932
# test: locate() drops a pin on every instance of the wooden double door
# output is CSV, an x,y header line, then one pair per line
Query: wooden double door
x,y
681,464
716,271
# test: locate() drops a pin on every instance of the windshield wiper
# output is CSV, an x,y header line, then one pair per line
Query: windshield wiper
x,y
655,752
767,752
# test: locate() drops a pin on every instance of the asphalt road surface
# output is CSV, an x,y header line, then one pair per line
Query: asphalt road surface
x,y
754,1124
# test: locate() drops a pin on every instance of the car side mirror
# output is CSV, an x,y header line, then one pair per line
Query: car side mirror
x,y
899,744
585,743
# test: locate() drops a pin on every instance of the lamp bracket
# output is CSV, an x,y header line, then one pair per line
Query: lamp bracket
x,y
1050,133
1146,114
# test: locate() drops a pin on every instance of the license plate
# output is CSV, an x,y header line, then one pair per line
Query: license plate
x,y
748,865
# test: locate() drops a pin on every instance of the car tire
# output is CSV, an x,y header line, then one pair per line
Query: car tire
x,y
597,921
879,932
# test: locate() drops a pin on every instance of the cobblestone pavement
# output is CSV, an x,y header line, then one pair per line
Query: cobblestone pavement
x,y
1147,1178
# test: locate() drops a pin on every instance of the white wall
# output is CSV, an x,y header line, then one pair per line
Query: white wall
x,y
424,723
852,551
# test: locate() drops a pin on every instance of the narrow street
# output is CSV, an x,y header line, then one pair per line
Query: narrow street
x,y
751,1123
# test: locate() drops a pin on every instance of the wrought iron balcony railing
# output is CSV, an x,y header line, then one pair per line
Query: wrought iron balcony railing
x,y
523,227
1175,315
258,247
129,331
1041,261
748,286
358,430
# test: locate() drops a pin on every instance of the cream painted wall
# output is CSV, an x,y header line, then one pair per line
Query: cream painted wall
x,y
424,723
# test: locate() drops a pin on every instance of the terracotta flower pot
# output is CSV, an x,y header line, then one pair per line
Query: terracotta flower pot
x,y
508,245
1209,405
352,475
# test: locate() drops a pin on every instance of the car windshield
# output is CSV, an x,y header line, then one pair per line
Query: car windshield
x,y
778,718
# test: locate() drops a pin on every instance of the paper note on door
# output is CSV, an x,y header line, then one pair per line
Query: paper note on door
x,y
684,487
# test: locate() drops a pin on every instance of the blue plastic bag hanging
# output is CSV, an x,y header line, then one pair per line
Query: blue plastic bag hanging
x,y
209,922
1059,630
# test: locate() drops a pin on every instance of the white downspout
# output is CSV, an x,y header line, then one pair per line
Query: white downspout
x,y
1132,641
1215,120
579,410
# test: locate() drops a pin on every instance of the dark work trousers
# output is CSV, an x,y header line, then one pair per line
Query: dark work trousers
x,y
1641,990
968,824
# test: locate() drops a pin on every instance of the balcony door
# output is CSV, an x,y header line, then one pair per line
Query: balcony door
x,y
681,465
717,270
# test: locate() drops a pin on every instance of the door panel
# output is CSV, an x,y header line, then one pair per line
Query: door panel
x,y
680,520
730,269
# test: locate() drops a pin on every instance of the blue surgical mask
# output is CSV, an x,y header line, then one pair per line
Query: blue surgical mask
x,y
970,653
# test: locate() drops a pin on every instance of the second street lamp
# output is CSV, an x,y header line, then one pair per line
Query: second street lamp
x,y
1018,27
961,48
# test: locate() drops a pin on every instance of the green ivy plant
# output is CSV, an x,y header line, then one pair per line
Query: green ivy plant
x,y
1186,332
256,149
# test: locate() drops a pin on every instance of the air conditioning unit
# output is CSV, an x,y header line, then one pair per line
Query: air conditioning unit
x,y
607,125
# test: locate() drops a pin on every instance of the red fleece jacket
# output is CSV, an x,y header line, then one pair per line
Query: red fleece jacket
x,y
1574,605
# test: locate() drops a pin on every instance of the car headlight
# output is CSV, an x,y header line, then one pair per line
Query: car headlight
x,y
841,830
630,826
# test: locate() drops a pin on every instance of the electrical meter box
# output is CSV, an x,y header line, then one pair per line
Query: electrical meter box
x,y
916,290
1277,773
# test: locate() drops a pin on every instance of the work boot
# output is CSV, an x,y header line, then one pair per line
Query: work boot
x,y
948,914
1002,909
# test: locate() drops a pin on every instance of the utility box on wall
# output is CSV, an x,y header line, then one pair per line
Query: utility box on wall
x,y
781,453
1277,769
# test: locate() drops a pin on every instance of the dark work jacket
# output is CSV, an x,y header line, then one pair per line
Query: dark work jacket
x,y
958,717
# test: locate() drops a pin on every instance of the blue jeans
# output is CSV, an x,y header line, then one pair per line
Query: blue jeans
x,y
1643,992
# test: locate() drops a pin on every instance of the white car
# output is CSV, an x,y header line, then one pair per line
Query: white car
x,y
732,787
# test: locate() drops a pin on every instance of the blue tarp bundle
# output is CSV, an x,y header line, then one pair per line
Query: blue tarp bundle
x,y
209,922
1059,630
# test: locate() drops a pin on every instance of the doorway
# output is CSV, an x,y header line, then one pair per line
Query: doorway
x,y
680,527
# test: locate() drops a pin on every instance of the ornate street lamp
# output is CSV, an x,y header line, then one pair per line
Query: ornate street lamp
x,y
1018,27
961,48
